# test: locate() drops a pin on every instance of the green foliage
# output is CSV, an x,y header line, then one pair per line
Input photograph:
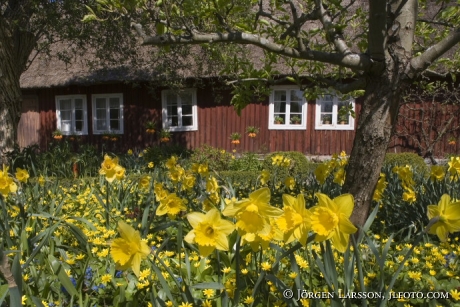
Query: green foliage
x,y
406,158
159,154
248,161
27,158
299,167
217,159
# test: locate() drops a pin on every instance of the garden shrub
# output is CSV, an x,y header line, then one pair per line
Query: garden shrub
x,y
217,159
406,158
241,181
27,158
159,154
247,162
299,167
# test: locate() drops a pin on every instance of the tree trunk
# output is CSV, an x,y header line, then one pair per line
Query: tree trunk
x,y
375,125
15,48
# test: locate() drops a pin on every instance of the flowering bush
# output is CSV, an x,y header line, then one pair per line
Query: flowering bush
x,y
185,236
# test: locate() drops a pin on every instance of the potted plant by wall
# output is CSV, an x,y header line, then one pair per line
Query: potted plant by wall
x,y
279,120
57,134
295,120
165,136
327,119
235,137
343,119
150,127
252,131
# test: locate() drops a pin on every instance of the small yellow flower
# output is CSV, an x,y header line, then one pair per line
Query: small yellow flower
x,y
226,270
150,165
266,266
106,278
455,294
249,300
208,293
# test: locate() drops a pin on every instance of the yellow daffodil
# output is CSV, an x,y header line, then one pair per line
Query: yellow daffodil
x,y
171,205
437,173
7,185
209,231
144,182
322,172
264,177
409,195
211,185
330,220
448,215
129,250
111,170
22,175
289,182
454,166
295,221
339,176
253,214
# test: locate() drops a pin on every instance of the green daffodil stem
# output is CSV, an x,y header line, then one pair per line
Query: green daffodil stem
x,y
107,206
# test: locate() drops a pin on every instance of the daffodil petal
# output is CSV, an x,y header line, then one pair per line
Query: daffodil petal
x,y
345,204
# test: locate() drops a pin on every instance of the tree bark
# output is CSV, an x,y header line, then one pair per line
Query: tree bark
x,y
16,46
375,126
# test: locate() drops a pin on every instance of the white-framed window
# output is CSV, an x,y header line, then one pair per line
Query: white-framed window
x,y
107,113
329,116
180,112
71,114
287,109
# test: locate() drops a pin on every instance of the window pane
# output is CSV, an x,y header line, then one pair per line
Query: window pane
x,y
100,103
114,124
101,114
326,106
171,99
280,107
66,126
65,104
172,110
78,114
114,114
101,125
296,95
296,107
79,104
66,115
187,109
280,95
173,121
114,103
187,121
326,119
79,125
186,98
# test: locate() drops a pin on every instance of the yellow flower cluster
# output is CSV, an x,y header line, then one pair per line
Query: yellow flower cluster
x,y
380,188
111,169
258,223
7,185
336,165
280,160
405,175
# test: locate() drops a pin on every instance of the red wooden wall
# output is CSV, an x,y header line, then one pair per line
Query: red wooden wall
x,y
216,121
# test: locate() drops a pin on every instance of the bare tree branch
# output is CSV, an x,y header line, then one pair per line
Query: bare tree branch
x,y
351,60
423,61
332,33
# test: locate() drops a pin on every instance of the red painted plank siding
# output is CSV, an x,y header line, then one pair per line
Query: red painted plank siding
x,y
216,121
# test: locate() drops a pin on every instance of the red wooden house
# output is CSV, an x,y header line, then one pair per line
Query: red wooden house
x,y
90,105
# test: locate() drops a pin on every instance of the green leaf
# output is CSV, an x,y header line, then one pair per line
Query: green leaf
x,y
209,285
58,270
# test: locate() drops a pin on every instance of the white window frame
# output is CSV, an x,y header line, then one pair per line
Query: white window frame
x,y
107,97
334,125
73,126
180,127
287,125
